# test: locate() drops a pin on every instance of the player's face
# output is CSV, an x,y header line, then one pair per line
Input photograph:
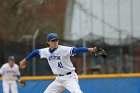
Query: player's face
x,y
11,63
53,43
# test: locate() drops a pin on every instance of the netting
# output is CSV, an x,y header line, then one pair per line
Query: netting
x,y
102,20
113,64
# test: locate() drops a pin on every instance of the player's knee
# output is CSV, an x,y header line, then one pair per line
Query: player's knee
x,y
5,91
46,91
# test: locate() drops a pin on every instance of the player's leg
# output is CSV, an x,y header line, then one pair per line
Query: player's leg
x,y
13,87
71,83
55,87
5,86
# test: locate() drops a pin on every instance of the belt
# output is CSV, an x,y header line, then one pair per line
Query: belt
x,y
65,74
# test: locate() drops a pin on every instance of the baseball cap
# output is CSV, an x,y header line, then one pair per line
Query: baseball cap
x,y
11,58
52,36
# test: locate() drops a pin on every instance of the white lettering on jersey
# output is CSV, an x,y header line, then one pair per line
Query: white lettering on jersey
x,y
54,58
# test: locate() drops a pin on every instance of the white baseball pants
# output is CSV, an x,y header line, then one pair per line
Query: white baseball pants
x,y
9,85
69,82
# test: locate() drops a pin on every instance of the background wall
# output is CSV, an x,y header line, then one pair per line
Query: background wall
x,y
89,85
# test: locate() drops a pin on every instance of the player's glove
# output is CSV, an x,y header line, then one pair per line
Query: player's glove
x,y
99,52
21,82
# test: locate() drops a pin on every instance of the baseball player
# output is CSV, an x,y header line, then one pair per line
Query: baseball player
x,y
58,57
10,72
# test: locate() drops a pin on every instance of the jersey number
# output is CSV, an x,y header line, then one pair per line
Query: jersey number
x,y
60,65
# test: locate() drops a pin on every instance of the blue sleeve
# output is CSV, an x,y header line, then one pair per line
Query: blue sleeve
x,y
31,55
79,50
18,76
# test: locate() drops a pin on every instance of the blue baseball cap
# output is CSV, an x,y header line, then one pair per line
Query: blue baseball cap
x,y
52,36
11,58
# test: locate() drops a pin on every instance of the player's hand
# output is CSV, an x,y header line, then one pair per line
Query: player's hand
x,y
100,52
23,64
21,82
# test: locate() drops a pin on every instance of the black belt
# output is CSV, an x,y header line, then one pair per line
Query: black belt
x,y
65,74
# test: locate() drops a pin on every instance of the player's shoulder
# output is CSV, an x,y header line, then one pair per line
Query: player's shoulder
x,y
44,49
62,46
16,65
5,65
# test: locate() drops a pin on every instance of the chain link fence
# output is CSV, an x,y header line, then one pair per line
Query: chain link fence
x,y
97,65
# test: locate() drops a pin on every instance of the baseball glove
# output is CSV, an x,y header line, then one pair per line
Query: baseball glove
x,y
100,52
22,82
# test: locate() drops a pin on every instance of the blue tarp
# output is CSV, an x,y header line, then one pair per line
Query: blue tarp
x,y
103,85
